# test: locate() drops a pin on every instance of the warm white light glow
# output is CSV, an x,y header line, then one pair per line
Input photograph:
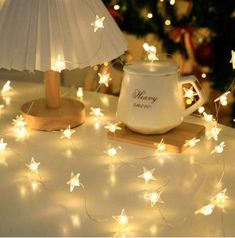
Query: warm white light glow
x,y
116,7
161,147
220,199
167,22
33,166
98,23
213,133
112,127
147,175
232,61
6,87
111,152
207,117
151,50
96,111
206,210
203,75
201,110
219,148
80,93
189,93
67,133
154,197
150,15
19,121
223,99
104,78
3,145
21,132
172,2
59,64
192,142
74,181
122,219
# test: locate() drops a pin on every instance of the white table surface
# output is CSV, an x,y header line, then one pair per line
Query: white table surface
x,y
42,205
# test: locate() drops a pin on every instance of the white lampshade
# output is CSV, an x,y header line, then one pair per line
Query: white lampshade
x,y
33,33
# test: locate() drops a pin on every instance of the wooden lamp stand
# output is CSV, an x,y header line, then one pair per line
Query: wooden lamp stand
x,y
53,112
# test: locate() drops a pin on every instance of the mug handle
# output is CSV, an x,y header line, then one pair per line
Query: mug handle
x,y
202,98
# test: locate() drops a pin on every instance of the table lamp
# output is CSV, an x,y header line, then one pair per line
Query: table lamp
x,y
52,35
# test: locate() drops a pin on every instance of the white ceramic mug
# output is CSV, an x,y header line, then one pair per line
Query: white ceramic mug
x,y
152,99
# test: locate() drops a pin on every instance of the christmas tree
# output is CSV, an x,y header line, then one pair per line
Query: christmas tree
x,y
201,31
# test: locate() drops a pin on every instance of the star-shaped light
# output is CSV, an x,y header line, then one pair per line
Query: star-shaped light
x,y
189,93
220,198
112,127
192,142
161,147
6,87
74,181
218,148
19,121
67,133
223,99
147,175
2,145
232,61
111,151
96,111
154,197
151,50
207,117
59,64
122,219
206,210
213,133
21,133
104,78
98,23
33,166
80,92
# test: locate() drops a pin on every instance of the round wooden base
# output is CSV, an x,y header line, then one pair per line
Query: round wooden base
x,y
40,117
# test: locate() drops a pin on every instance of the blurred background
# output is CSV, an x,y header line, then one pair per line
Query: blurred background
x,y
197,34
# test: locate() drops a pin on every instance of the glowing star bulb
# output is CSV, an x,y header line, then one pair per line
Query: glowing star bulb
x,y
167,22
172,2
147,175
2,145
112,127
116,7
33,166
220,198
218,149
6,87
67,133
151,50
59,64
122,219
21,132
19,122
104,78
98,23
154,197
96,111
161,147
74,181
111,152
150,15
201,110
232,61
80,92
189,93
206,210
192,142
213,133
207,117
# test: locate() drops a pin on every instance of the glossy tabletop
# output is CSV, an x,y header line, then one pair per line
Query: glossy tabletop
x,y
41,204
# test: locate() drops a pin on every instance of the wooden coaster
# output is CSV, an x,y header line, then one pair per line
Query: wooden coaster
x,y
174,139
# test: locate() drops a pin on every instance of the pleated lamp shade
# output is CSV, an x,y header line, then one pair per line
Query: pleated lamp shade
x,y
34,34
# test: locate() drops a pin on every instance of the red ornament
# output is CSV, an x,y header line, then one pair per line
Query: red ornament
x,y
204,54
116,15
